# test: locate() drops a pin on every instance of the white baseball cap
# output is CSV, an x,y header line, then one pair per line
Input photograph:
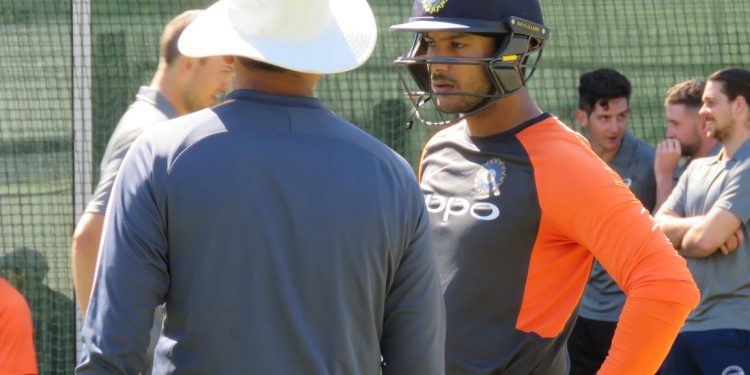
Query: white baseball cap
x,y
309,36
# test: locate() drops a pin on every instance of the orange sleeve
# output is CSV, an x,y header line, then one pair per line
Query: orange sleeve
x,y
587,202
16,333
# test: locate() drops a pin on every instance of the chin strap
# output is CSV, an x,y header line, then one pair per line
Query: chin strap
x,y
415,113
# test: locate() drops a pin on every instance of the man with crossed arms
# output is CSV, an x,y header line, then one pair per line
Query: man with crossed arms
x,y
706,217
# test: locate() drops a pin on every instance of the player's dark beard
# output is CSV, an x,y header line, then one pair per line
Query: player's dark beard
x,y
722,135
689,149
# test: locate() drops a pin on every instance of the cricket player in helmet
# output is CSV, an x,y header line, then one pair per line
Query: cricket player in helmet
x,y
519,41
520,206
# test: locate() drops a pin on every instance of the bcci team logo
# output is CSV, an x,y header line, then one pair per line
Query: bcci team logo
x,y
489,178
733,370
433,6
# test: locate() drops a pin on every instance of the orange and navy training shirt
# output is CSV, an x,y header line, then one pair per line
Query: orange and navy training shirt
x,y
517,219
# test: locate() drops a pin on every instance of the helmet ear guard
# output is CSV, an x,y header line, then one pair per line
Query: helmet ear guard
x,y
516,62
519,52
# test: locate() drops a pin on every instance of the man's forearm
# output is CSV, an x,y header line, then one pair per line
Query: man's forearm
x,y
641,347
694,244
675,228
719,228
84,252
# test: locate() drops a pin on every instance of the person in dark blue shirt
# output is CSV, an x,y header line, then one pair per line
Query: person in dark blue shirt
x,y
280,238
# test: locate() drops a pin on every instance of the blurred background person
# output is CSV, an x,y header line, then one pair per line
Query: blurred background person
x,y
687,135
604,113
17,356
180,85
706,217
51,310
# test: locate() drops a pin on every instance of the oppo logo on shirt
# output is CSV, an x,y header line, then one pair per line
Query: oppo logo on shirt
x,y
454,206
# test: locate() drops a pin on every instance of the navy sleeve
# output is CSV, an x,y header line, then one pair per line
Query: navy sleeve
x,y
413,340
131,275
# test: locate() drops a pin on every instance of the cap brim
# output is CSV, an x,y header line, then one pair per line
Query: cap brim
x,y
430,26
425,24
345,43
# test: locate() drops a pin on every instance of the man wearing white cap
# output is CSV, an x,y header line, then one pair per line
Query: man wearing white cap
x,y
280,238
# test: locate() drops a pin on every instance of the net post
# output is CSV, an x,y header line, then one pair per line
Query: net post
x,y
82,118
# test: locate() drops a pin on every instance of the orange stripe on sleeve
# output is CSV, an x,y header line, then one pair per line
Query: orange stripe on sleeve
x,y
587,210
558,271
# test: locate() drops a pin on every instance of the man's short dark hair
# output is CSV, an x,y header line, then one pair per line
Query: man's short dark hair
x,y
599,87
25,259
688,93
735,82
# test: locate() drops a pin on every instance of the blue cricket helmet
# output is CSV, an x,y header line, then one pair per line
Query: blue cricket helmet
x,y
518,25
473,16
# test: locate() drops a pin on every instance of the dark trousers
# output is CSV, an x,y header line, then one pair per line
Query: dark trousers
x,y
721,352
589,344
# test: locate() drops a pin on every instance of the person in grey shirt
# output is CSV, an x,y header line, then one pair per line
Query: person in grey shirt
x,y
604,113
687,135
180,85
707,216
280,238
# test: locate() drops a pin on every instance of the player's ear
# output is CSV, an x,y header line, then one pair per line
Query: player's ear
x,y
740,106
186,63
582,118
